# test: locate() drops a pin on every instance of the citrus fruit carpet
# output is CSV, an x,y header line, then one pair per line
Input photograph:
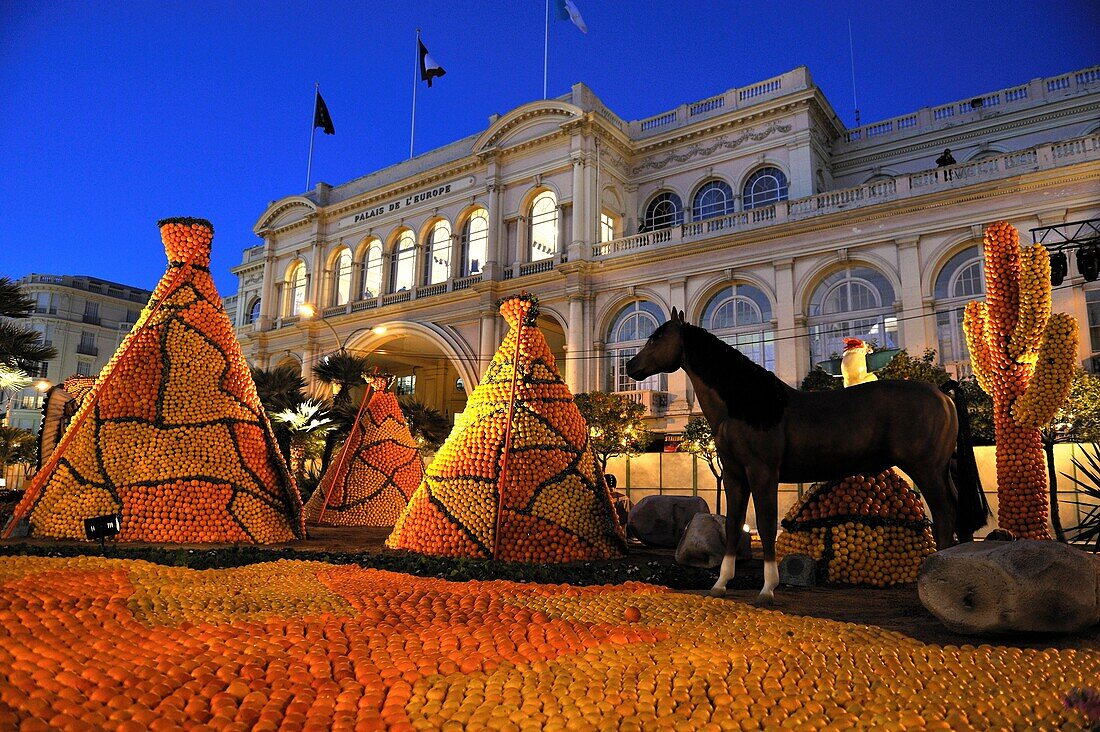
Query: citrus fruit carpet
x,y
93,643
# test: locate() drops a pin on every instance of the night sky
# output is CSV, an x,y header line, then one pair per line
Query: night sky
x,y
116,114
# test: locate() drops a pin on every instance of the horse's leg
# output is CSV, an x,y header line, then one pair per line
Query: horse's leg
x,y
737,502
764,481
931,483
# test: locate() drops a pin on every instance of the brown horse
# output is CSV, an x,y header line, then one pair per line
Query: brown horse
x,y
767,433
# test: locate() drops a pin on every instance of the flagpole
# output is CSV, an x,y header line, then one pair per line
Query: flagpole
x,y
416,74
546,50
312,131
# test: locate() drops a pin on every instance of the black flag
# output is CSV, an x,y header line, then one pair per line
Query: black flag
x,y
429,68
321,117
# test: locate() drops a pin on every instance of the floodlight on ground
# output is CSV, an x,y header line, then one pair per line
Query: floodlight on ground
x,y
100,527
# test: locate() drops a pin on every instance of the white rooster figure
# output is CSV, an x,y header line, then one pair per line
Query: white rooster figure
x,y
854,364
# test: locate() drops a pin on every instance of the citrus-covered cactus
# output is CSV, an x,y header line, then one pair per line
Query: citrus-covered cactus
x,y
1023,357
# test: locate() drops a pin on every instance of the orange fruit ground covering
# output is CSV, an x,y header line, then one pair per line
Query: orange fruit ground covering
x,y
519,462
92,643
369,481
172,436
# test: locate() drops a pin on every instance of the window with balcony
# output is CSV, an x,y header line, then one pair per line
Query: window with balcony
x,y
961,280
91,312
543,227
475,242
370,285
764,187
714,198
438,267
341,275
46,303
741,316
297,280
403,262
609,225
665,210
855,302
629,331
87,344
84,368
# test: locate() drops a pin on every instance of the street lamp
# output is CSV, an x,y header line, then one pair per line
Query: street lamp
x,y
308,311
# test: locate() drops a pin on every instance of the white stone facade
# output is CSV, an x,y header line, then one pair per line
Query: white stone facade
x,y
792,232
85,320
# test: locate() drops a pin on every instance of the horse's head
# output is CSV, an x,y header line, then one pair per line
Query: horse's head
x,y
662,353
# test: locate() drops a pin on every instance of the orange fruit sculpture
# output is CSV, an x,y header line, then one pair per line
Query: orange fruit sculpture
x,y
370,480
516,479
172,436
864,529
1023,357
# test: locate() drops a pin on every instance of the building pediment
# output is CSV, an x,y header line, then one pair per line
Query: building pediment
x,y
527,123
285,212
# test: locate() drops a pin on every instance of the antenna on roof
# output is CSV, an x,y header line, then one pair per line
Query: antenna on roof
x,y
852,53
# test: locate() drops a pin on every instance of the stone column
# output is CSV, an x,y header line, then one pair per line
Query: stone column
x,y
487,341
269,308
497,231
574,345
677,383
316,282
631,215
580,206
787,347
913,332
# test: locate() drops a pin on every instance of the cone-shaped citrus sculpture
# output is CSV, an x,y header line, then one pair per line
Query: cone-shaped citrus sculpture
x,y
863,529
370,480
172,435
516,479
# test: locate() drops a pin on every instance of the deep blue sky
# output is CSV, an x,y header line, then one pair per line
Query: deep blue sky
x,y
116,114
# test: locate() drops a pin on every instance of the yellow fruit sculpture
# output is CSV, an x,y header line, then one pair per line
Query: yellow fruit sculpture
x,y
1023,357
864,529
370,480
172,436
516,479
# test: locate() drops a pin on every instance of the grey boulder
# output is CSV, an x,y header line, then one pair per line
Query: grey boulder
x,y
993,587
661,520
704,542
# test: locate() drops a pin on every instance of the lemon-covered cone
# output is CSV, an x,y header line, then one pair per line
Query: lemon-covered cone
x,y
370,480
863,529
172,435
534,483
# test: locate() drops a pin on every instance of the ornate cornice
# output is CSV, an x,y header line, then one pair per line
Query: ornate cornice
x,y
722,143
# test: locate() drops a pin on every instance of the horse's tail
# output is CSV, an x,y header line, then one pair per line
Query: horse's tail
x,y
972,512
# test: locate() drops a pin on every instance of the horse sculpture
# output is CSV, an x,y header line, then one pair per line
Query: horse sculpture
x,y
767,433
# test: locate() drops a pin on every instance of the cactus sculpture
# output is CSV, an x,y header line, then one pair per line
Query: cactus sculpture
x,y
1023,357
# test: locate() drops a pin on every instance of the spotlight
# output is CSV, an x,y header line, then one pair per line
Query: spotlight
x,y
100,527
1058,268
1088,262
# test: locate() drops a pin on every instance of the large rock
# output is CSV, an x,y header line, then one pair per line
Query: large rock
x,y
661,520
704,542
994,587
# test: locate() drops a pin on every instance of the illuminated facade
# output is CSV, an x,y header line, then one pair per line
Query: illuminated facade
x,y
756,211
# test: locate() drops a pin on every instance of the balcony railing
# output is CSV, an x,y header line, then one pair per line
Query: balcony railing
x,y
87,349
655,402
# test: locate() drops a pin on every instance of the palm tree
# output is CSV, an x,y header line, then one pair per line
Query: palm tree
x,y
279,389
305,423
427,425
342,370
21,349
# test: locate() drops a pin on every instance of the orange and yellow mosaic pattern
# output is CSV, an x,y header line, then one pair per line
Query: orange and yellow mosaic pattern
x,y
370,480
172,435
92,643
516,479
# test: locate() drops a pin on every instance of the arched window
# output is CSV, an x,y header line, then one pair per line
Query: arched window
x,y
626,336
856,302
544,226
764,187
438,267
609,225
341,278
961,280
296,283
370,284
475,242
714,198
253,311
663,211
403,262
741,315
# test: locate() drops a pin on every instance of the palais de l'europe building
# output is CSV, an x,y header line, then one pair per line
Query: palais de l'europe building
x,y
756,211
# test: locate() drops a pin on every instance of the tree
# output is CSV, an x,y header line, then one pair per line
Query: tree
x,y
16,446
698,440
820,380
279,389
905,367
427,425
616,424
21,349
1077,420
307,424
342,370
979,406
